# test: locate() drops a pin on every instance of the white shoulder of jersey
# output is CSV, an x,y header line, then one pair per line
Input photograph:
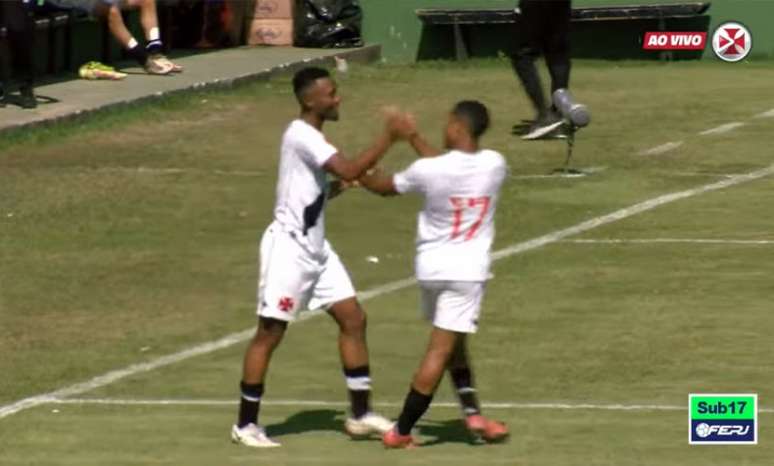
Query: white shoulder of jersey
x,y
497,157
309,142
493,154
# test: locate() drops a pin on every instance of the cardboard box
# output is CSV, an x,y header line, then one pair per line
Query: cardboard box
x,y
273,9
271,32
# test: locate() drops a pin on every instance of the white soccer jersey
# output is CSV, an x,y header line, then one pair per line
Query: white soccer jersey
x,y
302,184
456,225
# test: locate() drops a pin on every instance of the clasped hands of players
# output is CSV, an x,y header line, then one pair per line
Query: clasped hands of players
x,y
399,125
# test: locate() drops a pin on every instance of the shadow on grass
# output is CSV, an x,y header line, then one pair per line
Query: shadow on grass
x,y
432,432
308,421
440,432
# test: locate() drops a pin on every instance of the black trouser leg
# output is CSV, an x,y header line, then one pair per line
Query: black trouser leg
x,y
557,44
19,42
524,65
529,45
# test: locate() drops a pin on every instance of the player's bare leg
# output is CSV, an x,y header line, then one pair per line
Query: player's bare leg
x,y
266,339
437,356
354,360
256,363
352,332
483,429
150,25
423,386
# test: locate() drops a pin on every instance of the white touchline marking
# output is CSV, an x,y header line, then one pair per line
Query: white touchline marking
x,y
384,404
629,211
767,114
179,171
234,338
670,240
663,148
698,174
722,128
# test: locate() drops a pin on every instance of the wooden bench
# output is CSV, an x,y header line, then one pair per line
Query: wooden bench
x,y
458,19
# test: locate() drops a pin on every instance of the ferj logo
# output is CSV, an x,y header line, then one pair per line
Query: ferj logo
x,y
722,419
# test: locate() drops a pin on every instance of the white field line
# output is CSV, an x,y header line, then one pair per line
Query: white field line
x,y
670,240
767,114
180,171
234,338
630,211
703,174
722,128
663,148
383,404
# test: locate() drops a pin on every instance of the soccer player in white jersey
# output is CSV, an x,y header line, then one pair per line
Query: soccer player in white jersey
x,y
454,238
298,268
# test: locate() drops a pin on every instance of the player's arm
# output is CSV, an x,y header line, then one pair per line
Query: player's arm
x,y
398,125
379,182
422,147
336,187
417,142
350,170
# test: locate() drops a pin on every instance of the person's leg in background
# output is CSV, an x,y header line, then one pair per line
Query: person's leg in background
x,y
16,16
149,57
535,24
528,49
557,47
150,24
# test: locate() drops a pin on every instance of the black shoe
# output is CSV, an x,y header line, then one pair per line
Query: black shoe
x,y
2,96
544,127
27,99
557,133
520,129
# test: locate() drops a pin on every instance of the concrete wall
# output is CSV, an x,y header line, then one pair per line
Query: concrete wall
x,y
394,24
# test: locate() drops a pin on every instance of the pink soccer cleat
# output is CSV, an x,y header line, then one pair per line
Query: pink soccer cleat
x,y
392,439
486,429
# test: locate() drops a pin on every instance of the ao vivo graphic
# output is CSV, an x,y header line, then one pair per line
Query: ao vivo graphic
x,y
674,41
726,419
731,41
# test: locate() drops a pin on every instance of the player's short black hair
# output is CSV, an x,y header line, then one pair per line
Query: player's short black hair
x,y
474,114
306,77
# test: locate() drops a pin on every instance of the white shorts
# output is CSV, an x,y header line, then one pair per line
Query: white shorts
x,y
292,280
453,306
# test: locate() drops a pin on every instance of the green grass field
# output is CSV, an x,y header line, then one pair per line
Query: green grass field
x,y
133,235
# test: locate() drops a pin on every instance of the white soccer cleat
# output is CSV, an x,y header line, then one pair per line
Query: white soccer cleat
x,y
252,435
368,424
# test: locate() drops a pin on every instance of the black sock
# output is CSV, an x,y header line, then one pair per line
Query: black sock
x,y
154,47
466,392
139,54
359,386
249,403
413,408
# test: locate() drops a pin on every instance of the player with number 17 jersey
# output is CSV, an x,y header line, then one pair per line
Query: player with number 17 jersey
x,y
455,228
455,231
